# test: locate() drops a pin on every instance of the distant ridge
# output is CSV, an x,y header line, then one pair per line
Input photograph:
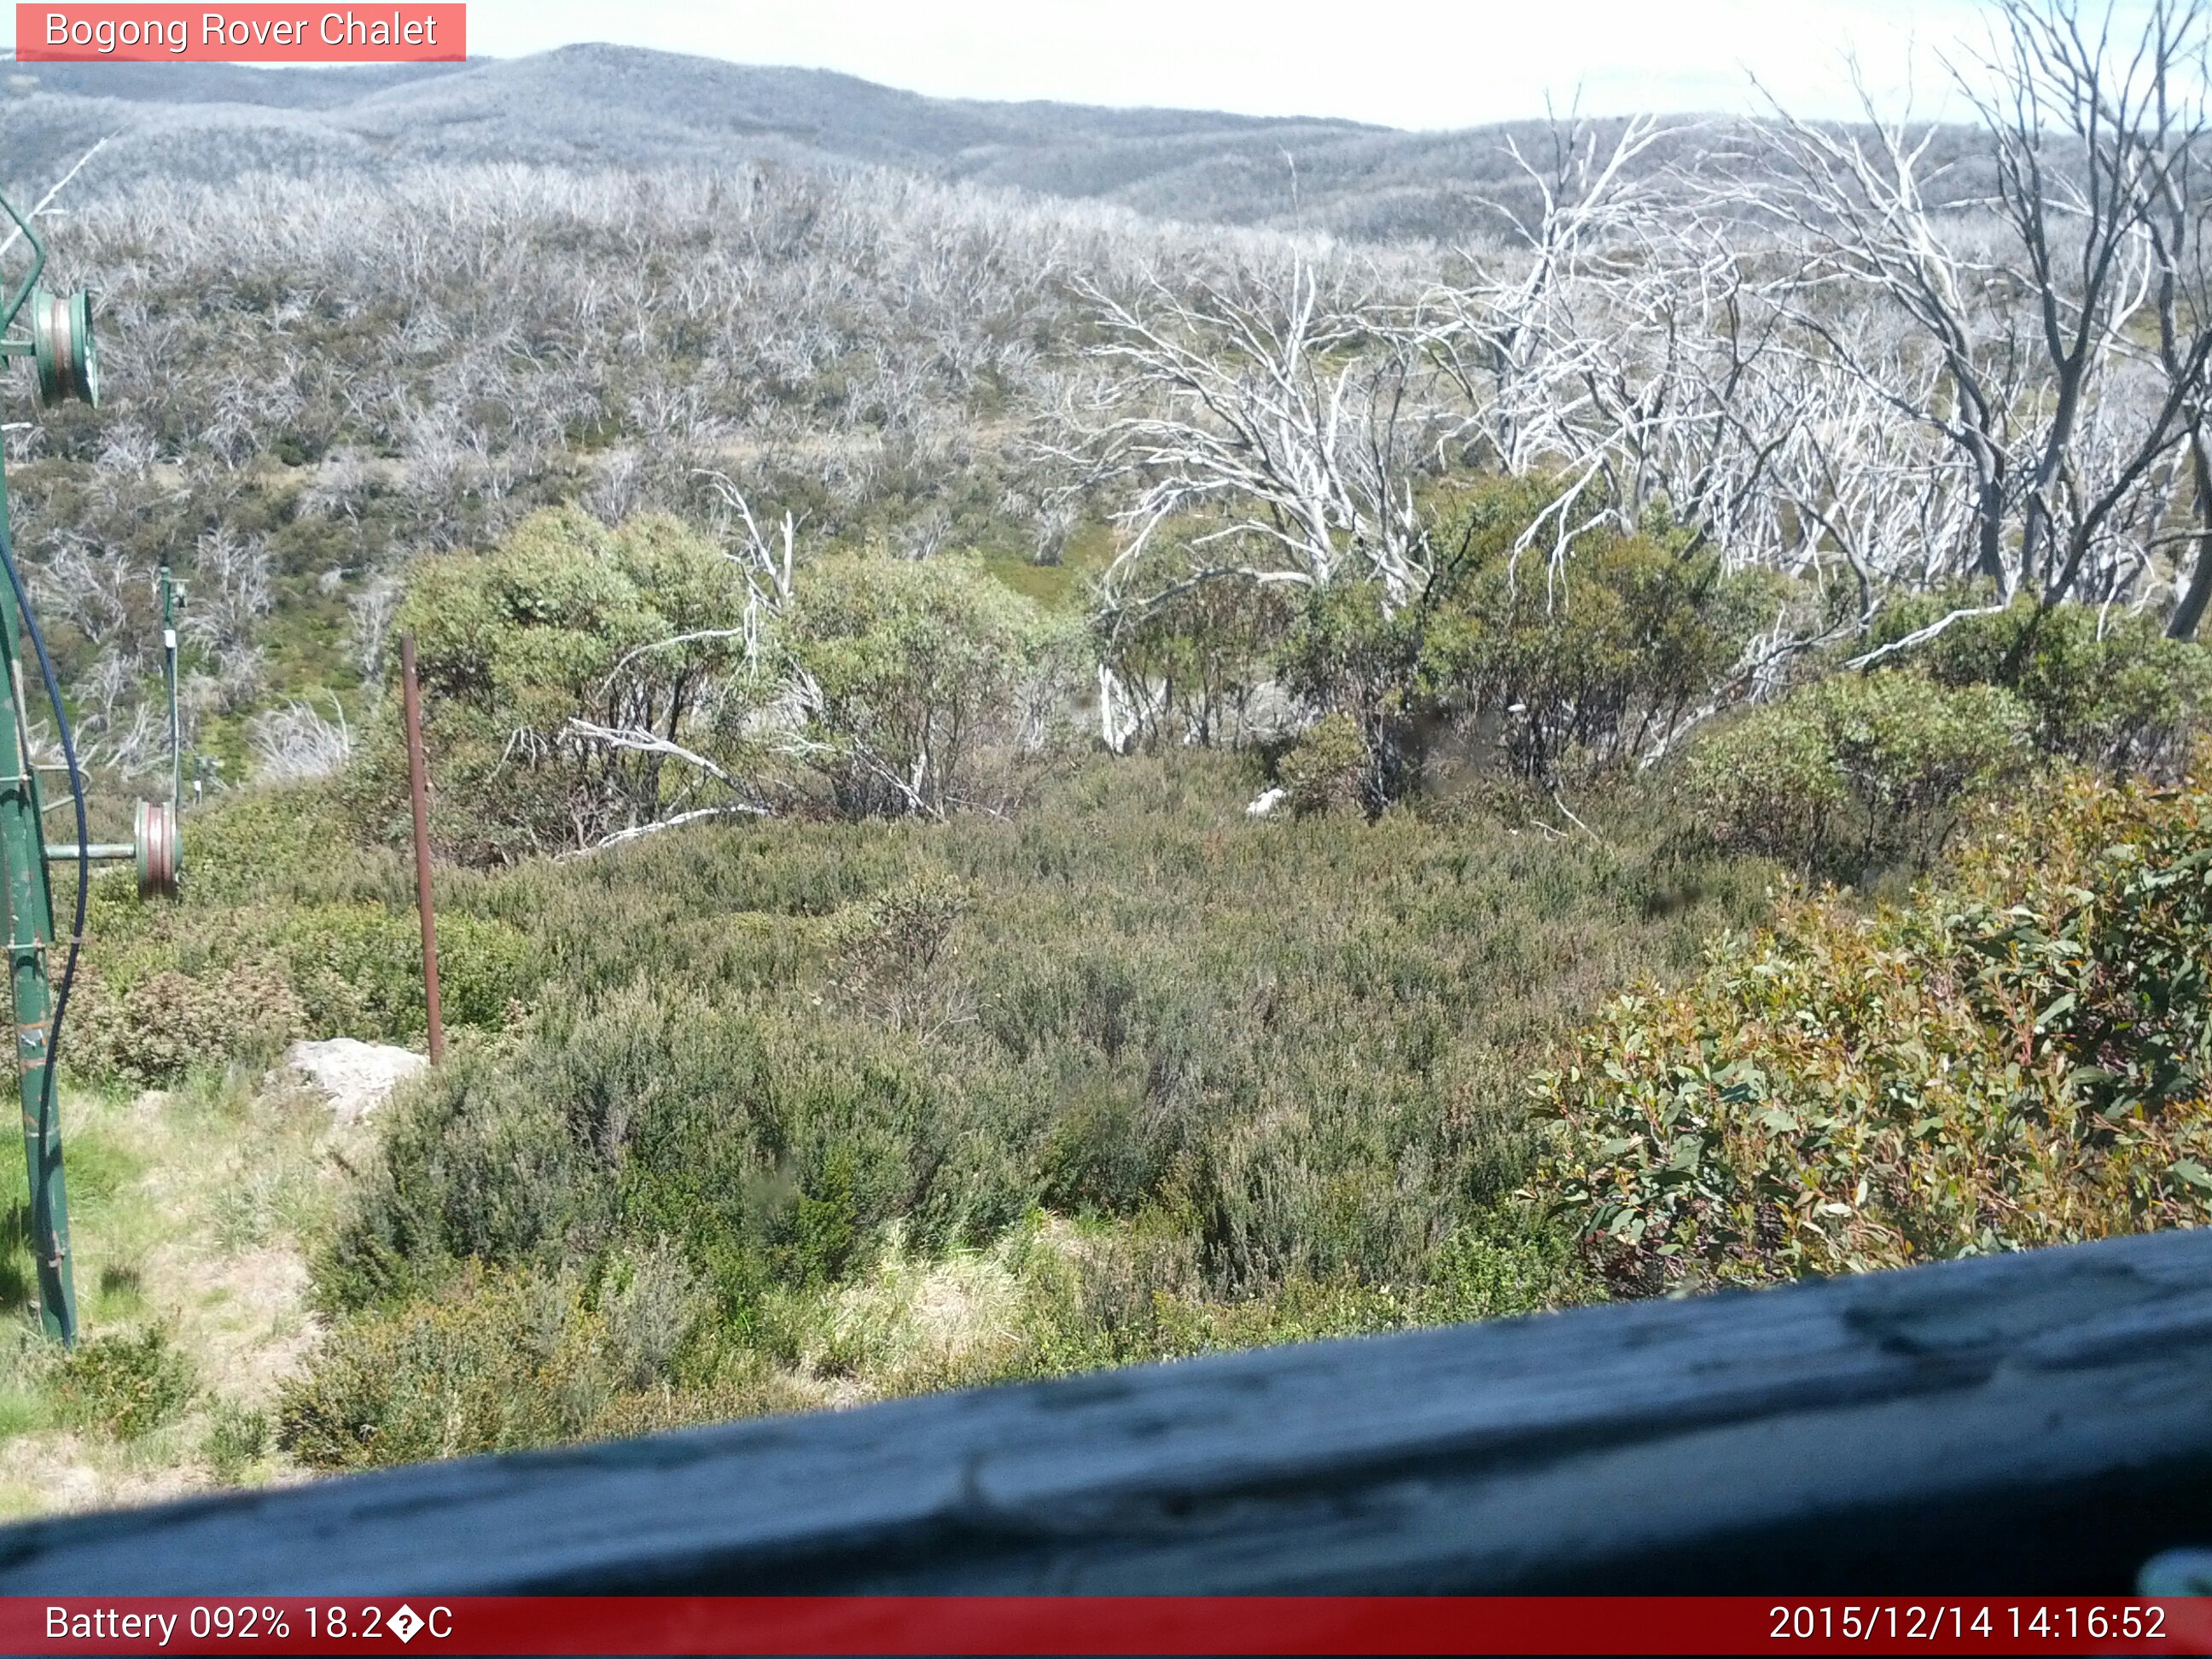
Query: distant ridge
x,y
619,105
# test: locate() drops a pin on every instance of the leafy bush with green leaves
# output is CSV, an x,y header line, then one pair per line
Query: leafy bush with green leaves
x,y
894,950
1587,665
1192,660
1330,765
1555,670
581,680
1290,1056
1361,672
2017,1056
238,1437
357,969
125,1385
2108,690
926,681
772,1152
500,1361
1855,771
153,1031
285,929
633,629
290,841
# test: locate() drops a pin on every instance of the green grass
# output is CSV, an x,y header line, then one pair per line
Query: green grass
x,y
187,1319
1054,586
1063,585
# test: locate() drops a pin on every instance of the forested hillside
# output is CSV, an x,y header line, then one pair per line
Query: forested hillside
x,y
596,106
1025,782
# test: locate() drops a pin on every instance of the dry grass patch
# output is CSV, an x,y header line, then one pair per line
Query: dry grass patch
x,y
193,1212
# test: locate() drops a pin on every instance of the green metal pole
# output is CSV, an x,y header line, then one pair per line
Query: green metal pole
x,y
169,664
30,941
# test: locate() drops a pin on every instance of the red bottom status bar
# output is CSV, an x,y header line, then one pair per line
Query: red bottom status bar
x,y
1101,1625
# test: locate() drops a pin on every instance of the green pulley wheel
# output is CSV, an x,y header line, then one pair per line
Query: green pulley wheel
x,y
61,344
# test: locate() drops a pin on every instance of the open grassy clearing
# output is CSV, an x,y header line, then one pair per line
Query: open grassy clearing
x,y
195,1210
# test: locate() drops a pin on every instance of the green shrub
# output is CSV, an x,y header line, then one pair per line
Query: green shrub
x,y
1509,1262
1855,771
493,1364
653,1303
564,620
1192,661
497,1362
928,680
1585,665
358,969
1291,1056
154,1031
1109,1151
286,928
1361,671
1328,766
1136,1296
893,952
1552,669
769,1152
125,1386
237,1438
2017,1057
924,686
2110,691
267,840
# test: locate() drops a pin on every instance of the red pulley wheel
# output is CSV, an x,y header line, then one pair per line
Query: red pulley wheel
x,y
153,829
66,355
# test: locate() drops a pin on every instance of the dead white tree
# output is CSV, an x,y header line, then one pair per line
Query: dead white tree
x,y
1501,332
1856,494
1279,413
1858,199
1279,423
2090,130
45,203
1564,344
2025,309
298,742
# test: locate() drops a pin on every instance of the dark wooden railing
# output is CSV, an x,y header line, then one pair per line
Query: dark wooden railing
x,y
2037,1422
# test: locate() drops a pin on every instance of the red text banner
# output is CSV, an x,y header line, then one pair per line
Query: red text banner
x,y
260,33
1101,1625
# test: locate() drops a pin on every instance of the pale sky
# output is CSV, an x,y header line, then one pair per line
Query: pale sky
x,y
1401,63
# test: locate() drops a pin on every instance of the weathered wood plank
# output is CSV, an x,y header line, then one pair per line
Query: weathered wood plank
x,y
2030,1423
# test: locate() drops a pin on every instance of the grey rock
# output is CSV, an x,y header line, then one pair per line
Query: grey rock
x,y
357,1076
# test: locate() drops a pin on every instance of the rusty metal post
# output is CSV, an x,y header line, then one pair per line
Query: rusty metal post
x,y
418,784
